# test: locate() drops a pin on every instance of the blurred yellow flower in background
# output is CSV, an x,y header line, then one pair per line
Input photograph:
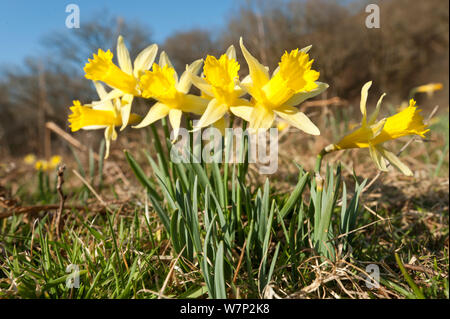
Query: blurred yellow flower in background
x,y
291,83
55,160
42,164
29,159
429,89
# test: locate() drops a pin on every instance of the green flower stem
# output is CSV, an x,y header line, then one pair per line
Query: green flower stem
x,y
319,161
225,162
327,149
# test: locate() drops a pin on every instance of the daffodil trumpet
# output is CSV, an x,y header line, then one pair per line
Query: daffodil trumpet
x,y
220,85
290,84
372,133
124,79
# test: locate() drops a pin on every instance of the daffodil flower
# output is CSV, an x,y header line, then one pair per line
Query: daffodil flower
x,y
291,83
105,114
220,86
29,159
44,165
429,89
171,93
123,79
371,134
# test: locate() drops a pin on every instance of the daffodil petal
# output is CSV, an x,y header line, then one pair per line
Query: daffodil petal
x,y
123,56
100,90
261,118
363,103
194,104
258,72
93,127
185,83
156,112
394,160
214,112
306,49
377,128
377,158
242,111
102,105
231,52
275,71
110,134
298,119
125,111
374,115
164,60
145,59
202,85
175,120
300,97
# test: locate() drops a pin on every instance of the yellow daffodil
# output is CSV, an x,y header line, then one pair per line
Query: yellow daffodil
x,y
291,83
29,159
162,84
105,115
429,88
371,134
55,160
41,165
220,86
123,79
44,165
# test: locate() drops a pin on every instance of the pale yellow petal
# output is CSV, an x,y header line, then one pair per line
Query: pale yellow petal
x,y
164,60
258,72
261,118
175,120
194,104
298,119
231,52
306,49
145,59
374,115
214,112
123,56
108,136
100,90
202,85
363,103
184,85
242,111
394,160
377,158
105,103
156,112
300,97
125,111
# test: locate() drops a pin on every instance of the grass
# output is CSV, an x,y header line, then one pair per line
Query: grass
x,y
127,243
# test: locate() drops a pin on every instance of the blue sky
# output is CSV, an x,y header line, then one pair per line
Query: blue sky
x,y
24,23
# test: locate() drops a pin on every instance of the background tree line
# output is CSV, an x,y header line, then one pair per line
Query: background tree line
x,y
410,48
